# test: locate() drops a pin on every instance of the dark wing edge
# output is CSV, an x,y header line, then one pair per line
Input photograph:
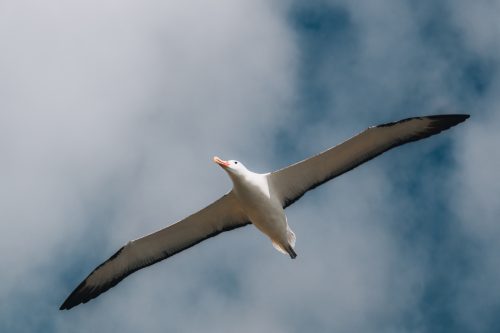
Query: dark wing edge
x,y
438,124
85,291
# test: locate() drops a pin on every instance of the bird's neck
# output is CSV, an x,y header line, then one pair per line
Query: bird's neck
x,y
250,182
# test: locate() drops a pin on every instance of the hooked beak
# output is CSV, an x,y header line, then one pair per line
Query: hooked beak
x,y
220,162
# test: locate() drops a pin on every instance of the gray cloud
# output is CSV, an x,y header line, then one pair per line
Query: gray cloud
x,y
110,113
478,208
110,116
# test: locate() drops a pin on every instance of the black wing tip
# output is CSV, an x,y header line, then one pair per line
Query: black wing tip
x,y
74,298
452,119
81,294
84,293
69,304
443,122
66,306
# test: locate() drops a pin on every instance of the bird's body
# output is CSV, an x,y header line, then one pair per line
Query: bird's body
x,y
260,203
258,199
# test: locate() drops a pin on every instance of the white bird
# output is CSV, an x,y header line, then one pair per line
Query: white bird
x,y
258,199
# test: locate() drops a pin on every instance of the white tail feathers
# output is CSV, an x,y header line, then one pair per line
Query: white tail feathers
x,y
291,236
279,248
289,247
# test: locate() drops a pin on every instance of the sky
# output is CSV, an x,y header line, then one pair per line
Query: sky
x,y
110,113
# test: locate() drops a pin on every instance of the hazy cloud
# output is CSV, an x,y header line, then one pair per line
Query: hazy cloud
x,y
110,113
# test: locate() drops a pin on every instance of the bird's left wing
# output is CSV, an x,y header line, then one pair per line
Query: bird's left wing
x,y
294,181
222,215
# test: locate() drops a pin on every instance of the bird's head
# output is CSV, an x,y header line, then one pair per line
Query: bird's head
x,y
232,167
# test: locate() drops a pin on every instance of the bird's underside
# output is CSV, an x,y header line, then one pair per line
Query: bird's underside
x,y
286,186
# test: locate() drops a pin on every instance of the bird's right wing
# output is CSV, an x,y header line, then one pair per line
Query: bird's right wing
x,y
294,181
222,215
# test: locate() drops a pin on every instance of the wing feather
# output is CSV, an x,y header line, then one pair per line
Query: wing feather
x,y
222,215
294,181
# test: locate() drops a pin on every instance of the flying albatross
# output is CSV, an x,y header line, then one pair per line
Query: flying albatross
x,y
258,199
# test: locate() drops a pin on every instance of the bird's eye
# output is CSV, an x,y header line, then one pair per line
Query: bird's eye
x,y
235,162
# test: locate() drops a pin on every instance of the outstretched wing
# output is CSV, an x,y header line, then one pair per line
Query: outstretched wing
x,y
222,215
294,181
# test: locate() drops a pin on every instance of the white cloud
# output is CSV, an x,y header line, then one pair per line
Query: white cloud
x,y
111,111
478,207
478,25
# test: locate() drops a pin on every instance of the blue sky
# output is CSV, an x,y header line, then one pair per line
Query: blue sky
x,y
110,113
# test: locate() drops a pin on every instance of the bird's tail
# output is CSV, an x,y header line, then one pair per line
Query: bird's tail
x,y
291,252
291,243
288,248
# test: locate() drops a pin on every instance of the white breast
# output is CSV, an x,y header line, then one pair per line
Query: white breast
x,y
262,208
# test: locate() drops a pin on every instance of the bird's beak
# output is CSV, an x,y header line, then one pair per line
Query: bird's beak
x,y
220,162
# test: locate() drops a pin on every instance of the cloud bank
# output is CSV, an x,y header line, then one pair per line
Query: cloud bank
x,y
110,113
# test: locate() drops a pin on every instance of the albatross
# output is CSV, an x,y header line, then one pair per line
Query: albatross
x,y
258,199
